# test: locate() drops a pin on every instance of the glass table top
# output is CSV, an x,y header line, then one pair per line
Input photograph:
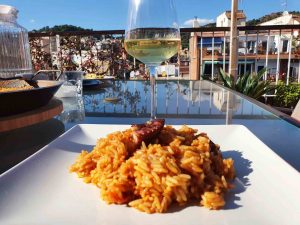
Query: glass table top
x,y
178,101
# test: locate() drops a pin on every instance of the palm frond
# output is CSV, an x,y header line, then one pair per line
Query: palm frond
x,y
248,84
227,79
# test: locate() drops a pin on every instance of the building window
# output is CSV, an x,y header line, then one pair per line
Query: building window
x,y
259,68
242,69
293,74
264,45
285,45
207,69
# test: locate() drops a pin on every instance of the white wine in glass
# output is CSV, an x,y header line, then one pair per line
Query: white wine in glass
x,y
152,35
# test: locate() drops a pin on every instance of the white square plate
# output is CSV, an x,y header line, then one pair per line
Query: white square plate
x,y
40,190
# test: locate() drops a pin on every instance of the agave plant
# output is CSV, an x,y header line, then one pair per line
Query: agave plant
x,y
251,85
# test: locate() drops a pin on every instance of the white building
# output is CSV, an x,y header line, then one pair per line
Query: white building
x,y
284,43
285,19
224,19
273,50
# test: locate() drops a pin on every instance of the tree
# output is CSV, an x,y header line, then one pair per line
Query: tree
x,y
269,17
211,25
60,28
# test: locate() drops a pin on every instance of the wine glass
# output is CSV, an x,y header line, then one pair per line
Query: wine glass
x,y
152,36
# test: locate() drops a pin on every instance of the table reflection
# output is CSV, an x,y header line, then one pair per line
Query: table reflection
x,y
184,99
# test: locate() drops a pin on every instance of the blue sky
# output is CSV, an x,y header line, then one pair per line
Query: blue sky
x,y
112,14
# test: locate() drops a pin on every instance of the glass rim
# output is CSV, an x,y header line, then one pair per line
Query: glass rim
x,y
130,25
8,10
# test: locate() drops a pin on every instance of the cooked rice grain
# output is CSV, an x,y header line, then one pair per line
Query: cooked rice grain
x,y
181,165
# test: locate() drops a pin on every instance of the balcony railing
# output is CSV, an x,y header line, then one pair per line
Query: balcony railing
x,y
205,50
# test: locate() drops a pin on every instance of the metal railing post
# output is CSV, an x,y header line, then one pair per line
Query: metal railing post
x,y
177,98
256,53
213,57
246,48
199,90
278,57
224,52
289,59
201,55
267,56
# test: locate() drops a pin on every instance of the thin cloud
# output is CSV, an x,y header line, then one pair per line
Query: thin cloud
x,y
32,21
202,22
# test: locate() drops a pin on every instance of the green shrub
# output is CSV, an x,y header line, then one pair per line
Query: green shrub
x,y
287,95
251,85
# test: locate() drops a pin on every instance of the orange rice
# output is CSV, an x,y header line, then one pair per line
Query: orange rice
x,y
15,89
178,166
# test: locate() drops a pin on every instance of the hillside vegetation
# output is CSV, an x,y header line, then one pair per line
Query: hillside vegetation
x,y
260,20
61,28
269,17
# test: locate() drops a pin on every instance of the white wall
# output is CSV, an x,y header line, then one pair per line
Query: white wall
x,y
223,21
282,20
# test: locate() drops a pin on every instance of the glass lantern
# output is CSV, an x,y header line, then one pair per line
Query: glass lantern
x,y
14,45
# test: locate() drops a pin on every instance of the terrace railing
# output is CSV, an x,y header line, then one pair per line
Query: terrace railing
x,y
205,50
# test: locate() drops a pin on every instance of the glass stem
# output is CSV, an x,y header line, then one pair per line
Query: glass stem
x,y
152,85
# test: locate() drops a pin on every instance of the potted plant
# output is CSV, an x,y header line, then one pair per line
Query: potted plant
x,y
251,85
286,97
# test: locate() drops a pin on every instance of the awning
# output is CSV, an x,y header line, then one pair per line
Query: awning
x,y
207,41
227,62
